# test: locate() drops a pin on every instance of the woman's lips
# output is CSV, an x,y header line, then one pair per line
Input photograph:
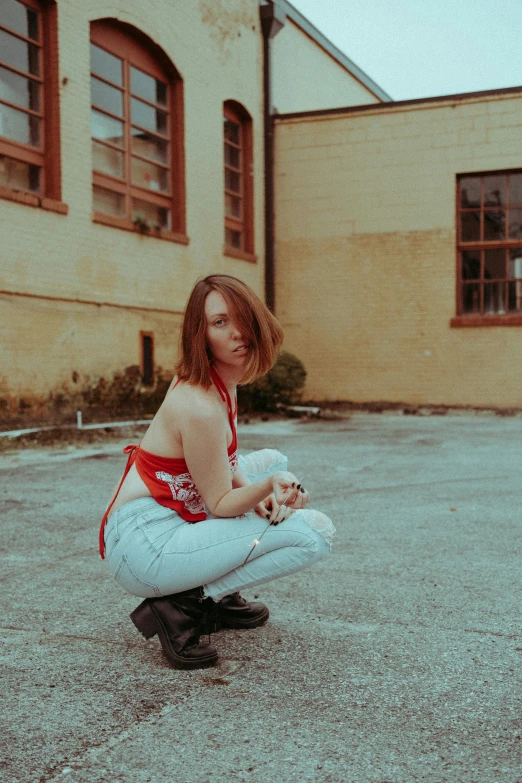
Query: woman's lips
x,y
240,349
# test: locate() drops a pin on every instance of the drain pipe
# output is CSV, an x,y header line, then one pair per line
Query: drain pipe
x,y
272,20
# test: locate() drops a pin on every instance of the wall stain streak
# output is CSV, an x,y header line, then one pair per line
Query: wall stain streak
x,y
225,23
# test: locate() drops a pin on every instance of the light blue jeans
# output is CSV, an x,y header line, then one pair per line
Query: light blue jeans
x,y
151,551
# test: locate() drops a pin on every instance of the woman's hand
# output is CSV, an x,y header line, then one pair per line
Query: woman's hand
x,y
269,509
288,492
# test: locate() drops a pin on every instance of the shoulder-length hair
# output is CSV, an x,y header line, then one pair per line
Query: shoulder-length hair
x,y
256,323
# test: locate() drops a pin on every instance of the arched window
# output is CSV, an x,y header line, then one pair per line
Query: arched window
x,y
239,186
137,129
29,120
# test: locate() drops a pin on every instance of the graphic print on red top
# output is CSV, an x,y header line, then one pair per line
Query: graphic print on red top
x,y
168,479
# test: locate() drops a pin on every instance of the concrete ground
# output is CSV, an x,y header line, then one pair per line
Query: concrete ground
x,y
396,660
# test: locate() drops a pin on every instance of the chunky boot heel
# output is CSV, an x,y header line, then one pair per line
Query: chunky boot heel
x,y
144,619
177,620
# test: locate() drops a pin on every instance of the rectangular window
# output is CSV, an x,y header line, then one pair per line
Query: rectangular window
x,y
29,127
489,247
147,358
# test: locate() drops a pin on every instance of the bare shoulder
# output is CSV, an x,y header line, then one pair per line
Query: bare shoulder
x,y
191,404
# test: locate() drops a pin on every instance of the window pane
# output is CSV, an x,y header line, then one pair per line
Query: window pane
x,y
495,188
19,126
470,226
106,128
515,190
233,239
19,18
148,87
17,89
232,181
107,160
232,156
148,117
18,175
494,224
471,265
515,263
232,206
495,264
106,65
147,175
108,202
154,216
20,54
147,347
149,146
109,98
494,298
515,223
470,192
232,131
515,296
471,298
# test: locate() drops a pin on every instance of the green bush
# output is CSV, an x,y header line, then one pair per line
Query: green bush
x,y
283,385
125,395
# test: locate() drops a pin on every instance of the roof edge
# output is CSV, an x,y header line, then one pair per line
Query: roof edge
x,y
377,107
301,21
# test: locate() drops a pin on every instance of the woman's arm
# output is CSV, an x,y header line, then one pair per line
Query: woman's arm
x,y
240,478
203,435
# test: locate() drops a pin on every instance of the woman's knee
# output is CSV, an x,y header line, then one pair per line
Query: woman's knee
x,y
259,464
320,524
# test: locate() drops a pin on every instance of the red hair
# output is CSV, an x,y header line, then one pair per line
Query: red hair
x,y
251,316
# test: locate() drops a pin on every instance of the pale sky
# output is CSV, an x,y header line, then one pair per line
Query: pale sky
x,y
422,48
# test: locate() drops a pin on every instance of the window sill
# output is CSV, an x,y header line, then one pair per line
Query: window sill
x,y
126,225
33,200
240,254
513,319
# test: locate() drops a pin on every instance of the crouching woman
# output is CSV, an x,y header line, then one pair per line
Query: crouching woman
x,y
191,523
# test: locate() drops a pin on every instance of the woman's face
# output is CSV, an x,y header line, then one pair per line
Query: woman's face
x,y
224,339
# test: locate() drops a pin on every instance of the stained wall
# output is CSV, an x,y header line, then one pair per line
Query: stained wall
x,y
366,251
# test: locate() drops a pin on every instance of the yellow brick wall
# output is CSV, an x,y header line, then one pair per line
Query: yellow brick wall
x,y
217,48
366,258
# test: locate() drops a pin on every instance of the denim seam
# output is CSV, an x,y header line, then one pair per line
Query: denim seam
x,y
141,581
238,538
273,575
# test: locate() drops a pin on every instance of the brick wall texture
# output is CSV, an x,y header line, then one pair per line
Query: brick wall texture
x,y
216,46
366,251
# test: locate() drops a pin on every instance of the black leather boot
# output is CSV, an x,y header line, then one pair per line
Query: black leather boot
x,y
178,620
233,611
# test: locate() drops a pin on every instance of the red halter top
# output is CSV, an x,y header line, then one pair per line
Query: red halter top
x,y
167,479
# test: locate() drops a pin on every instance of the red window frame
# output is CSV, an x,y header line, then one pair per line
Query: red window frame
x,y
489,249
238,182
135,50
44,154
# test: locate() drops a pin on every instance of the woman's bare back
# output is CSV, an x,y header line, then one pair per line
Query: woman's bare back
x,y
163,437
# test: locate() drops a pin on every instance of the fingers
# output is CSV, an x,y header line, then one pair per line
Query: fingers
x,y
273,511
283,513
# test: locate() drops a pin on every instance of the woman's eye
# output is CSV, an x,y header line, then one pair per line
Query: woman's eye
x,y
219,322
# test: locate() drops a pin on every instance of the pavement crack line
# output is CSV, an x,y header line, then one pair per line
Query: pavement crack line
x,y
227,669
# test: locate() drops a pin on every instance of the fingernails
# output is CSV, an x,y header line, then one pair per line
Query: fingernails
x,y
293,485
299,487
303,489
268,516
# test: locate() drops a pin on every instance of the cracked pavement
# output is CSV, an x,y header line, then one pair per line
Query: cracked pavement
x,y
396,660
